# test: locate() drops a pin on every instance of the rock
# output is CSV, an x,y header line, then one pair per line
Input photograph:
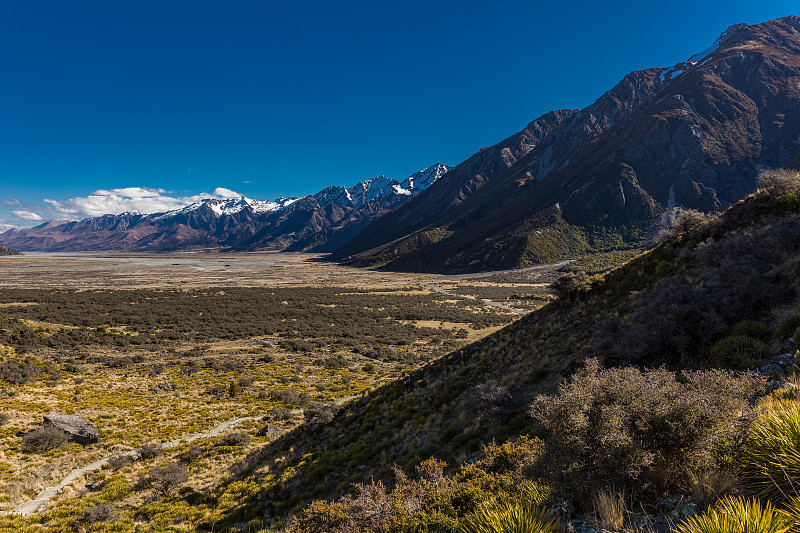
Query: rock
x,y
78,428
772,368
782,364
5,393
785,360
774,385
270,431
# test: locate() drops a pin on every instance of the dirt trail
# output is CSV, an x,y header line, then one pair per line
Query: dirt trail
x,y
33,506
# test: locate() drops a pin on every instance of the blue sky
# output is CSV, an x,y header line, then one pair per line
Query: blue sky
x,y
157,102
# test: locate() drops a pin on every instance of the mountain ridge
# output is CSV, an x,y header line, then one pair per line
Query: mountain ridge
x,y
695,134
319,222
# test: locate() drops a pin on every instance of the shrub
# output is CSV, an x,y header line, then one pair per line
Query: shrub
x,y
753,329
238,438
572,286
191,454
17,373
119,461
332,361
788,326
435,501
640,432
290,396
104,512
320,413
149,451
738,352
43,439
281,413
321,516
691,221
670,322
773,460
166,479
506,517
490,399
737,514
779,182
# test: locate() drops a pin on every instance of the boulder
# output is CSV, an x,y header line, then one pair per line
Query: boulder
x,y
77,428
270,431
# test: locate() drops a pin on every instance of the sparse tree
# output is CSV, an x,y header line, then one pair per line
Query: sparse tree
x,y
166,479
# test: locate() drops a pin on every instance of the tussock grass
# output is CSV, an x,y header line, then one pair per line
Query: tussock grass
x,y
773,461
739,352
708,486
754,329
510,517
732,515
609,507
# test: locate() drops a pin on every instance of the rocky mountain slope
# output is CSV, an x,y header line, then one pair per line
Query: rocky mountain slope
x,y
8,251
666,307
694,135
319,222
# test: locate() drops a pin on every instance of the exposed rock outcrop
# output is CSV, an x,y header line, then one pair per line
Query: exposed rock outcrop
x,y
76,427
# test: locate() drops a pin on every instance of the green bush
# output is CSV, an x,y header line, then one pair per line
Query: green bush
x,y
640,432
738,352
788,326
773,459
753,329
738,515
510,517
573,286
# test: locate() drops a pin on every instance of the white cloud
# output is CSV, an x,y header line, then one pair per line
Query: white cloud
x,y
127,199
222,192
27,215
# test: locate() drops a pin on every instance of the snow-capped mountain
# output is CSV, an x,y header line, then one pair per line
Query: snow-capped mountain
x,y
318,222
229,206
419,181
381,187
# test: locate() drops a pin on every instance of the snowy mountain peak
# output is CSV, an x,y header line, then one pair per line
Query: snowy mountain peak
x,y
229,206
670,73
372,189
419,181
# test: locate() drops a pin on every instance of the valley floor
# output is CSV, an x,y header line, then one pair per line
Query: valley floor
x,y
157,348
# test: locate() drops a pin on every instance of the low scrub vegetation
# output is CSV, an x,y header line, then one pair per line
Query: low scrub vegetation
x,y
640,432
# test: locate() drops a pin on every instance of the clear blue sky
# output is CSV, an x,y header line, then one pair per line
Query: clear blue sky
x,y
283,98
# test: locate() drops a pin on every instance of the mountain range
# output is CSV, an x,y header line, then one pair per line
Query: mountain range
x,y
320,222
694,135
